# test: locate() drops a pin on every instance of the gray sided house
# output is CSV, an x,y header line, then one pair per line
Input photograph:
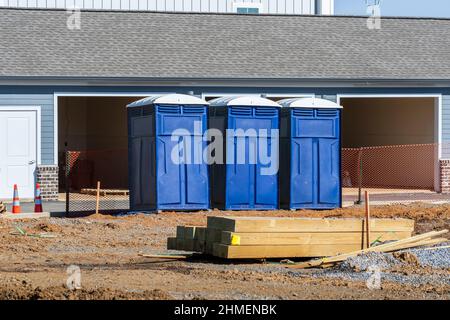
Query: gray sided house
x,y
65,89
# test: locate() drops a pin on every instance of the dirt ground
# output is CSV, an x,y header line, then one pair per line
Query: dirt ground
x,y
106,249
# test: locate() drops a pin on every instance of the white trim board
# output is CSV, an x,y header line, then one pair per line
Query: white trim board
x,y
437,121
206,95
57,95
37,109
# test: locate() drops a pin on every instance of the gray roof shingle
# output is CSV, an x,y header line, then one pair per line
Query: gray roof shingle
x,y
37,43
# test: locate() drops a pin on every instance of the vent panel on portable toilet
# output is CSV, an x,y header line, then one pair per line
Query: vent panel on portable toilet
x,y
244,182
164,172
311,151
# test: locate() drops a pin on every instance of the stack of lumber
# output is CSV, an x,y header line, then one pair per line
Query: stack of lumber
x,y
193,238
261,237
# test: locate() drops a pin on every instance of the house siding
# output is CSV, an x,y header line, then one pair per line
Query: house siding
x,y
222,6
45,101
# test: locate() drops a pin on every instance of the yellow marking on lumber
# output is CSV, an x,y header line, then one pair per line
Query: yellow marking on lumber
x,y
235,240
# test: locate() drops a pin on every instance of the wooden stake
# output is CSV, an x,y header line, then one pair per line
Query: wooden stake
x,y
97,204
367,219
163,256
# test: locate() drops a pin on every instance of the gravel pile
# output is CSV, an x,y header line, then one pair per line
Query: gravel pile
x,y
437,258
384,261
411,279
359,268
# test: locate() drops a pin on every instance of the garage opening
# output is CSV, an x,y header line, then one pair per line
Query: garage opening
x,y
92,148
389,143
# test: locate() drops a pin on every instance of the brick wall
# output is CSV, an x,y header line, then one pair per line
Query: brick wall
x,y
445,175
47,177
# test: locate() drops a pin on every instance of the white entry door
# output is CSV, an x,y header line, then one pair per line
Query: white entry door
x,y
18,152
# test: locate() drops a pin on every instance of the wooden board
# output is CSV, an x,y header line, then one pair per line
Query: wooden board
x,y
187,245
200,239
172,244
262,224
192,238
200,234
189,232
209,246
199,246
212,236
180,244
286,251
180,232
192,232
289,238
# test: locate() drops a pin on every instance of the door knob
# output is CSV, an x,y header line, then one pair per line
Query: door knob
x,y
32,162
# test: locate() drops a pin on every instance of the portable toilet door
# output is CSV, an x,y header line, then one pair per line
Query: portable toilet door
x,y
311,151
248,179
172,163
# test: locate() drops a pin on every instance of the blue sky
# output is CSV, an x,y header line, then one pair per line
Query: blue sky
x,y
411,8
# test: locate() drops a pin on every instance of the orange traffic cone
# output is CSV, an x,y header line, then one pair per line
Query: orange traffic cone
x,y
16,202
37,199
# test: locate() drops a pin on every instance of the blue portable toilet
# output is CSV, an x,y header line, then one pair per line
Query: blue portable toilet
x,y
310,148
165,144
241,178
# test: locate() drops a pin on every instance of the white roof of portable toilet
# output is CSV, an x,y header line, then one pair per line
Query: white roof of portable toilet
x,y
309,103
174,98
249,101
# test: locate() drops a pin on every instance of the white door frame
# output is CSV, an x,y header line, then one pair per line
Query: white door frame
x,y
36,109
56,95
437,122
